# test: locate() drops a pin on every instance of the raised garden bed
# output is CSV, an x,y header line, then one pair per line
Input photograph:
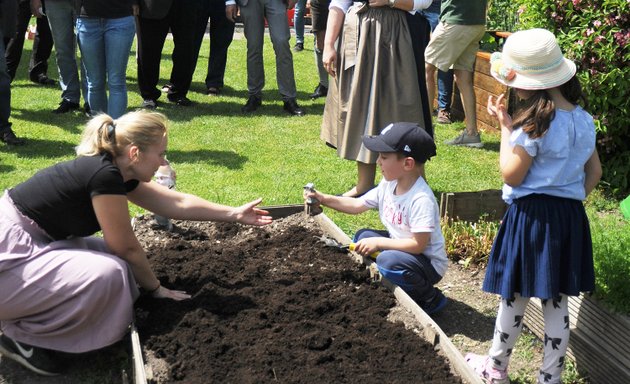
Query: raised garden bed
x,y
274,304
473,206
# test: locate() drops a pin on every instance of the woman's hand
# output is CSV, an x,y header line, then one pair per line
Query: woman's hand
x,y
497,109
165,293
329,59
249,214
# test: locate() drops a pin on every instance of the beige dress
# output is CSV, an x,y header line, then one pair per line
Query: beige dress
x,y
377,81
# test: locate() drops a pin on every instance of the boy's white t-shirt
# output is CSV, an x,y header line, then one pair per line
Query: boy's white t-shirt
x,y
413,212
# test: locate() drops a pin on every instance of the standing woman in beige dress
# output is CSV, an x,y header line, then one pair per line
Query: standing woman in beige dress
x,y
369,52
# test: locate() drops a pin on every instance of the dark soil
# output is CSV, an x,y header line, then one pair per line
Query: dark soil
x,y
272,304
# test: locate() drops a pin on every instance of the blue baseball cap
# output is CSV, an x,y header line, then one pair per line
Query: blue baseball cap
x,y
406,138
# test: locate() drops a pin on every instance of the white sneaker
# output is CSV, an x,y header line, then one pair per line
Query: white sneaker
x,y
486,371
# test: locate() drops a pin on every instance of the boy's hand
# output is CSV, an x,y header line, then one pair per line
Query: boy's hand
x,y
307,194
368,246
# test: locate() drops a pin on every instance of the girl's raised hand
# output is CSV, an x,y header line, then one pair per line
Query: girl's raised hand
x,y
497,109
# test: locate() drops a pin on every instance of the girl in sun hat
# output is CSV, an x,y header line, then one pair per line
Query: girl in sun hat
x,y
549,165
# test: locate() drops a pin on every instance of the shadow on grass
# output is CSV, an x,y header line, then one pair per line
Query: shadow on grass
x,y
72,122
226,159
492,147
229,103
42,149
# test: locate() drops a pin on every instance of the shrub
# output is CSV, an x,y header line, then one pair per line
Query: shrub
x,y
595,34
502,15
469,243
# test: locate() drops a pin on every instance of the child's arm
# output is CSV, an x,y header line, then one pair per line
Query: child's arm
x,y
343,204
593,170
414,245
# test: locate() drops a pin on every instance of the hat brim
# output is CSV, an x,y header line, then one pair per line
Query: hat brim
x,y
376,144
532,81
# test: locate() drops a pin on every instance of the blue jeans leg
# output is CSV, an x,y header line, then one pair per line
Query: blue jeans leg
x,y
62,17
298,20
413,273
445,89
433,14
444,79
105,45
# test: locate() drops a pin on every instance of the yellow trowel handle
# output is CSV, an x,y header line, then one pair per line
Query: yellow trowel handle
x,y
372,255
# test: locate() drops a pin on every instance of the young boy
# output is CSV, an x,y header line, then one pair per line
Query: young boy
x,y
411,248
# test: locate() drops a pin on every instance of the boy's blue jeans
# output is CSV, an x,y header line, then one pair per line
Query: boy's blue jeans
x,y
413,273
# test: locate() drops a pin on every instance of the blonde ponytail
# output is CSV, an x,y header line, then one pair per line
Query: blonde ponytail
x,y
105,135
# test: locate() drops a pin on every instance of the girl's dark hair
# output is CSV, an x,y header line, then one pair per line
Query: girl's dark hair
x,y
534,114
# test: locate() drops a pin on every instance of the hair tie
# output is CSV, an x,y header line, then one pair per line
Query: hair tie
x,y
504,71
111,132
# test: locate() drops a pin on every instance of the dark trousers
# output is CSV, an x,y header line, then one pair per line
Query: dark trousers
x,y
413,273
420,31
42,45
151,36
221,34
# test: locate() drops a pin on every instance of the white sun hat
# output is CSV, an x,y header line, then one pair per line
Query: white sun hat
x,y
531,60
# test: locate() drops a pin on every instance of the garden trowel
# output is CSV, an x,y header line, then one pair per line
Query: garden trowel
x,y
330,242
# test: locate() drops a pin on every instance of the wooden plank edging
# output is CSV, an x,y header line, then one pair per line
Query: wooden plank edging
x,y
599,343
139,373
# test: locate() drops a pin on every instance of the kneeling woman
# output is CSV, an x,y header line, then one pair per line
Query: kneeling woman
x,y
61,289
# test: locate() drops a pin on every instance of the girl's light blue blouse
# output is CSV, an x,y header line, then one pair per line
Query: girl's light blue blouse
x,y
558,157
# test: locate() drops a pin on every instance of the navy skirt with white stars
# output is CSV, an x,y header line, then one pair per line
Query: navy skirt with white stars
x,y
543,248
